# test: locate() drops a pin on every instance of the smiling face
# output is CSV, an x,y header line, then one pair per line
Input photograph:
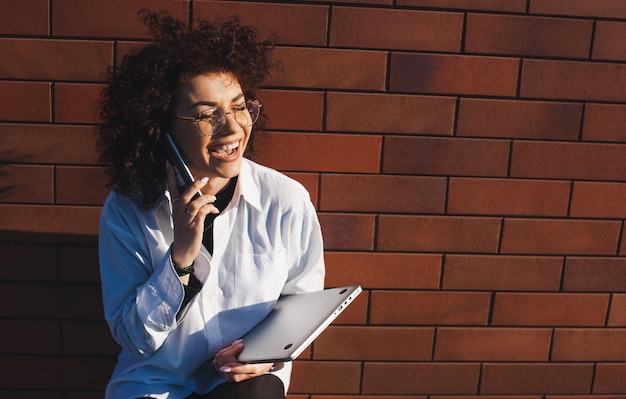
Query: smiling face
x,y
220,156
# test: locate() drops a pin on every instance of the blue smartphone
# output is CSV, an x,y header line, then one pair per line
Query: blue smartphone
x,y
184,178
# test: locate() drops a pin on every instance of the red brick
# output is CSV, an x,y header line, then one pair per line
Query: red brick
x,y
610,379
605,47
492,344
77,103
438,234
80,185
489,397
26,143
28,184
577,161
560,237
325,377
598,200
569,80
55,59
420,378
50,219
453,74
528,36
554,378
379,193
373,2
26,17
71,264
604,122
368,397
595,274
519,119
126,47
310,181
383,270
330,68
583,397
38,261
74,343
357,112
367,343
52,301
55,372
445,156
622,245
617,311
508,197
290,23
113,18
25,101
429,308
319,152
579,8
486,5
294,110
347,231
502,273
396,29
30,336
530,309
584,344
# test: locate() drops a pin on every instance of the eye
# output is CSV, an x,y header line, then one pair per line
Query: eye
x,y
240,107
207,115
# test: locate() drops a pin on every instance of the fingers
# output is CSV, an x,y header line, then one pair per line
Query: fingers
x,y
238,372
226,363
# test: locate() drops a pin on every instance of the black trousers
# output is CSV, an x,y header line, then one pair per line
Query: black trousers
x,y
267,386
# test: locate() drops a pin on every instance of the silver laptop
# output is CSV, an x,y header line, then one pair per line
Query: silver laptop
x,y
294,323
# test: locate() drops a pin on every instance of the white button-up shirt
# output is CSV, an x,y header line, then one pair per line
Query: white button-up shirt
x,y
267,243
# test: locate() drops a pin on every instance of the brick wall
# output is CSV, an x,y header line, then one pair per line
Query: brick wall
x,y
467,158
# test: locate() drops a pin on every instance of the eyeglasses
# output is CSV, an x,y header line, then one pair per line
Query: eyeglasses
x,y
212,120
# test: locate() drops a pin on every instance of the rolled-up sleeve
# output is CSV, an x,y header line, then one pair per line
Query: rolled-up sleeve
x,y
141,295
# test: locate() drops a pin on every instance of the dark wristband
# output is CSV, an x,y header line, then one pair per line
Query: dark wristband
x,y
183,271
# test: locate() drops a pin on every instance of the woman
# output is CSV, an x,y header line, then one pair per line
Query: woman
x,y
185,276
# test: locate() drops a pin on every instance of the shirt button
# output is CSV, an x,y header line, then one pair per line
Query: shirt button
x,y
265,261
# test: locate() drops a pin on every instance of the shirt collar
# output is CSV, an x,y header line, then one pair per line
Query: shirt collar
x,y
248,190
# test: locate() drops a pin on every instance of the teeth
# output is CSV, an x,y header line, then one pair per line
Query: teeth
x,y
230,146
226,147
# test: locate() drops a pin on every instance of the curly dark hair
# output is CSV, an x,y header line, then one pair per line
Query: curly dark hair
x,y
135,106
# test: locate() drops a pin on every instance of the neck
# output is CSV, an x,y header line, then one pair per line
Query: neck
x,y
215,185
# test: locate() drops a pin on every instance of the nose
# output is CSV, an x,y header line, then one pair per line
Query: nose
x,y
230,124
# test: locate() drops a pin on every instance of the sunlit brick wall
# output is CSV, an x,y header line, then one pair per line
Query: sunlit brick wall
x,y
467,159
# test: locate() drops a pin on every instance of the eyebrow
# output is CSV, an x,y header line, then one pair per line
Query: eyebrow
x,y
214,104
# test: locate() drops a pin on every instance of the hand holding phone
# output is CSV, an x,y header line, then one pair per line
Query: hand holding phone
x,y
184,178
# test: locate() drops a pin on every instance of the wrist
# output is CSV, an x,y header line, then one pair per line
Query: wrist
x,y
183,270
181,263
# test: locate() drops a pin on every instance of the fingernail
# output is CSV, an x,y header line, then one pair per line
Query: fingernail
x,y
204,180
239,341
225,369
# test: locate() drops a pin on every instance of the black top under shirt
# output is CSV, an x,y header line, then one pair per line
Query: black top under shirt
x,y
222,200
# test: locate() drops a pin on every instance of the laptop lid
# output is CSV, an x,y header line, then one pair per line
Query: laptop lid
x,y
294,323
